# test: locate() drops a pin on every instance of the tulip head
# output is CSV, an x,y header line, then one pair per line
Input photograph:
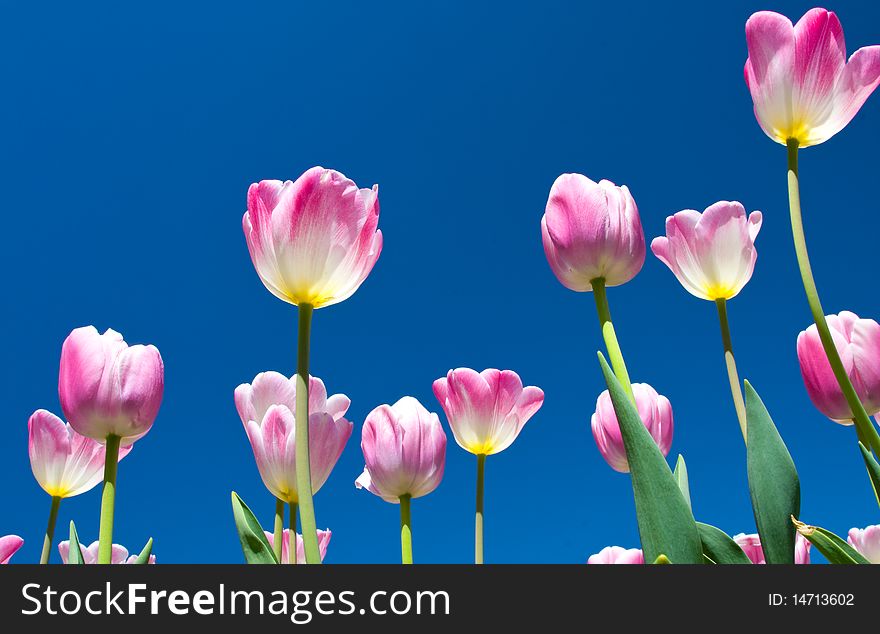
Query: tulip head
x,y
712,254
315,240
803,88
655,412
867,542
9,545
404,450
858,344
65,463
590,231
617,555
119,554
323,542
486,410
751,546
108,388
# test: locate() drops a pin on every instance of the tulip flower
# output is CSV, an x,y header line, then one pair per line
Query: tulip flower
x,y
313,242
486,411
867,542
9,545
805,91
90,555
858,344
655,412
404,449
323,542
617,555
65,463
266,409
713,255
751,546
111,392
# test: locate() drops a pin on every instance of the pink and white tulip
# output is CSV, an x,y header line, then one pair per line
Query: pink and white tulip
x,y
323,542
404,449
9,545
486,410
867,542
711,253
592,230
751,546
266,409
64,462
315,240
90,554
858,344
617,555
802,85
655,411
107,387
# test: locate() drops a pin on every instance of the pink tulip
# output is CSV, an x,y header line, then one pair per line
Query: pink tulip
x,y
90,554
867,542
590,231
655,412
802,85
404,450
712,254
858,343
751,546
323,542
617,555
313,241
266,408
108,388
9,545
486,410
64,462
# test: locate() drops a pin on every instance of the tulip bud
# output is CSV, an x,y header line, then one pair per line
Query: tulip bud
x,y
751,546
617,555
867,542
119,554
9,545
323,542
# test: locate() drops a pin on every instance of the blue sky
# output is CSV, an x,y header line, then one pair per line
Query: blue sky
x,y
132,134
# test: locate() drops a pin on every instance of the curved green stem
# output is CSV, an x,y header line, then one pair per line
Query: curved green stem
x,y
739,403
478,524
50,530
108,500
405,530
278,533
860,416
291,536
608,334
303,471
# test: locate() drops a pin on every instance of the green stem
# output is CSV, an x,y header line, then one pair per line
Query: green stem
x,y
278,533
478,525
291,535
732,375
50,530
303,471
608,334
860,416
108,500
405,530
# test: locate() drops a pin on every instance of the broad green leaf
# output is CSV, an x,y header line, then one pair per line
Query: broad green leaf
x,y
74,555
662,559
666,524
144,557
254,544
873,470
773,482
681,477
836,550
719,548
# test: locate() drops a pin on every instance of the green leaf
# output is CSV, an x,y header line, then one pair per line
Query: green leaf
x,y
873,470
836,550
662,559
719,548
74,555
773,482
253,541
666,524
681,477
144,557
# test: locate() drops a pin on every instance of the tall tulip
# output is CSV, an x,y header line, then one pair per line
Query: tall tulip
x,y
118,554
404,449
713,256
111,392
751,546
9,545
287,545
867,542
313,242
805,91
486,411
64,462
617,555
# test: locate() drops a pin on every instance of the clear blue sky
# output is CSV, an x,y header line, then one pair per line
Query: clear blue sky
x,y
132,134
